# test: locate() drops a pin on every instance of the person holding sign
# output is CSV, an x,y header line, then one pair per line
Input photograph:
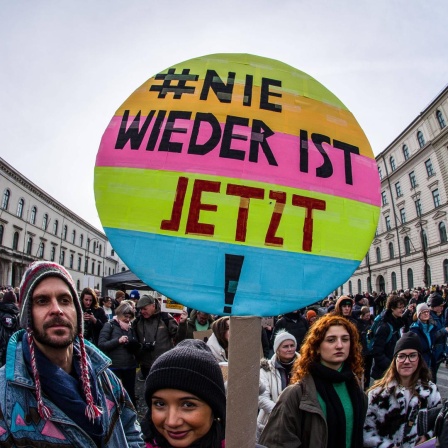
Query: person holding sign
x,y
186,399
325,406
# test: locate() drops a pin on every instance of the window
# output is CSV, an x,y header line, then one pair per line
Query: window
x,y
384,197
20,205
445,271
378,255
418,207
1,234
15,241
71,261
350,289
380,173
407,245
403,215
78,284
64,233
109,271
93,267
123,269
86,265
53,253
73,236
410,278
359,286
398,190
405,152
436,197
62,257
428,275
369,284
88,244
112,252
5,200
391,250
393,278
393,167
442,232
94,247
98,270
367,259
45,221
412,179
79,263
55,227
100,249
440,119
29,246
40,252
421,139
429,168
33,215
387,219
81,240
424,239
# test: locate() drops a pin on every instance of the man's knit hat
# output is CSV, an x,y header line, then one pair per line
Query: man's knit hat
x,y
435,300
35,273
408,341
282,336
190,367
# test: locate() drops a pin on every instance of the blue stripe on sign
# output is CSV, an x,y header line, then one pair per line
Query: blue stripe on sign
x,y
192,272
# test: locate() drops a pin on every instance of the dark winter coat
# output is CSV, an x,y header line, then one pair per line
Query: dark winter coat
x,y
440,337
9,324
156,336
294,324
92,330
383,351
121,355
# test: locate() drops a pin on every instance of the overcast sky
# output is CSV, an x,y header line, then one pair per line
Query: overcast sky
x,y
67,66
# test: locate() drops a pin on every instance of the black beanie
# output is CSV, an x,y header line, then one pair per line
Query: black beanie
x,y
435,300
408,340
190,366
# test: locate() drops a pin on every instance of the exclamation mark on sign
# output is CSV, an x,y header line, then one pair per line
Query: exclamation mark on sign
x,y
234,263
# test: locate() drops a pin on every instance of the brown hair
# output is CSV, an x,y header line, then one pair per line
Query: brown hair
x,y
393,301
219,328
422,373
313,340
89,292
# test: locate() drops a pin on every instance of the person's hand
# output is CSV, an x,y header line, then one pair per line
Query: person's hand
x,y
183,317
90,318
420,440
123,340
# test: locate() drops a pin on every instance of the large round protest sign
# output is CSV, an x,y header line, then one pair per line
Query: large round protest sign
x,y
237,184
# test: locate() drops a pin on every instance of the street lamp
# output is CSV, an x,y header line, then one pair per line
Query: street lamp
x,y
423,240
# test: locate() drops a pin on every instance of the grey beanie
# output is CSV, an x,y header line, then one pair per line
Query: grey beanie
x,y
282,336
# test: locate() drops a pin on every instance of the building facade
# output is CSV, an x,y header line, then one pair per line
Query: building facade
x,y
34,226
410,248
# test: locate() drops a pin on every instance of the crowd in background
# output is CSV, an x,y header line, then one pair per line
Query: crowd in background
x,y
317,366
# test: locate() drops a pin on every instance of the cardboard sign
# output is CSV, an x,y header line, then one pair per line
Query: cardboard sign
x,y
244,186
171,306
202,335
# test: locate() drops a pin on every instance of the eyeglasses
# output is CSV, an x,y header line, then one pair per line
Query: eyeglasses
x,y
401,357
424,312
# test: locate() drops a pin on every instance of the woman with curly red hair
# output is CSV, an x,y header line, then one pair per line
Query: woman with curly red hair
x,y
324,407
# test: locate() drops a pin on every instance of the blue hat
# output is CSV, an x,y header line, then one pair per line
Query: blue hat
x,y
134,294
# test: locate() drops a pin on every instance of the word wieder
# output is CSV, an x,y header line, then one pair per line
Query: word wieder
x,y
259,132
246,194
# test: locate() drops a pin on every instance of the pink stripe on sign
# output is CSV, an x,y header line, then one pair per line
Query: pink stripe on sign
x,y
365,186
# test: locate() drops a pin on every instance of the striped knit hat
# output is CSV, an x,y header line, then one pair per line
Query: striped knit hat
x,y
35,273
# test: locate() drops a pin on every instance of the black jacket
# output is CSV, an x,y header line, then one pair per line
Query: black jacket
x,y
294,324
383,350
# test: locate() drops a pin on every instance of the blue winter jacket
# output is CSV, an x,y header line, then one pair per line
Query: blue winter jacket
x,y
21,425
427,345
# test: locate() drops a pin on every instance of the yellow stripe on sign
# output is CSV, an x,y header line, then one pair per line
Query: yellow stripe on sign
x,y
298,112
215,208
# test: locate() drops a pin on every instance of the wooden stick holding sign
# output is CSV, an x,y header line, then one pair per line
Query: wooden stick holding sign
x,y
242,386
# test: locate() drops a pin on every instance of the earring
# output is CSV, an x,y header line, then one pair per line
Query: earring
x,y
217,419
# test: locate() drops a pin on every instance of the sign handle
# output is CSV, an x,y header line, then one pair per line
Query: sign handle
x,y
242,386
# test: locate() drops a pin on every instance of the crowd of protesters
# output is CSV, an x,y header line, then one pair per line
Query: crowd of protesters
x,y
349,371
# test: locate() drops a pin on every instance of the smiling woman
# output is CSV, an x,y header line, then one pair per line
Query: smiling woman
x,y
186,399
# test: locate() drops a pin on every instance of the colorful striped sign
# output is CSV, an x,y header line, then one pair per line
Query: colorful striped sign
x,y
237,184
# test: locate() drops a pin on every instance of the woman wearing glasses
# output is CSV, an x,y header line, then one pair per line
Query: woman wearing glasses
x,y
425,329
396,399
